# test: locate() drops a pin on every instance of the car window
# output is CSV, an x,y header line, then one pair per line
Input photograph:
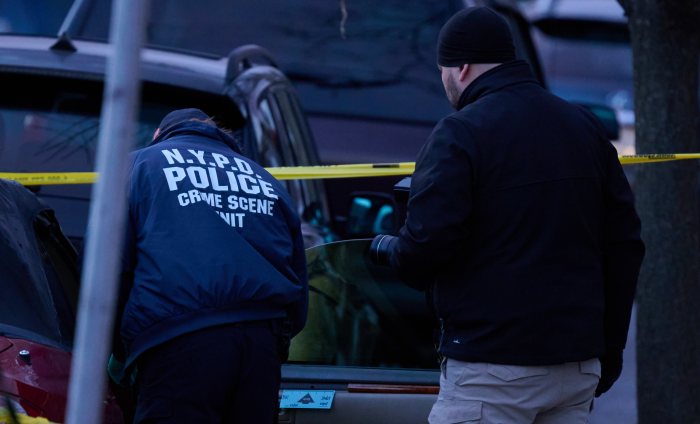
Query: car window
x,y
362,315
53,127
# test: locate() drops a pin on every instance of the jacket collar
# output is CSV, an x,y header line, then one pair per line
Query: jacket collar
x,y
199,129
509,73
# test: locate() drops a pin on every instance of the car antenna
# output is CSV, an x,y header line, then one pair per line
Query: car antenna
x,y
76,15
64,43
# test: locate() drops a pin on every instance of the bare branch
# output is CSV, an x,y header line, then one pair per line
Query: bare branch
x,y
344,18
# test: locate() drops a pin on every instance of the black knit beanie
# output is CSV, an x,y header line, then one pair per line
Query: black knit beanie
x,y
475,35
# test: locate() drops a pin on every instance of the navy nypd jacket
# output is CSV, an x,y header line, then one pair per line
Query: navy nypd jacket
x,y
522,224
212,239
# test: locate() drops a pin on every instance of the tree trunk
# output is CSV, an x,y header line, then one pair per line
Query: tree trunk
x,y
665,37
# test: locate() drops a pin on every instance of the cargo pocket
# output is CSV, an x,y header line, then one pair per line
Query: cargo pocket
x,y
515,372
454,411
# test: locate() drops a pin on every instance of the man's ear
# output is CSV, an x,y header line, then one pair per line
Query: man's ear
x,y
463,72
156,133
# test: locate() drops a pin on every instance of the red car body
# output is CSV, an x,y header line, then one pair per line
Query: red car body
x,y
38,294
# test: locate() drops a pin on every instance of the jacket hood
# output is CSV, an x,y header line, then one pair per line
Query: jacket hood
x,y
201,129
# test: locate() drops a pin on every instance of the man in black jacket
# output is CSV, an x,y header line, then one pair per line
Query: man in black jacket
x,y
522,225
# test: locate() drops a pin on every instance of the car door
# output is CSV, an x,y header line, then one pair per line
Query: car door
x,y
367,352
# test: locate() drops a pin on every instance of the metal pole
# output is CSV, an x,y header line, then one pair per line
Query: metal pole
x,y
107,215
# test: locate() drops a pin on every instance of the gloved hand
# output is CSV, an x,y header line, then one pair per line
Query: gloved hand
x,y
380,249
610,369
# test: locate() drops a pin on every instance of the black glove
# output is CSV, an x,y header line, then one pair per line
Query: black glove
x,y
610,369
380,249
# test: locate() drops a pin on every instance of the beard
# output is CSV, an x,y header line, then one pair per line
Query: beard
x,y
452,91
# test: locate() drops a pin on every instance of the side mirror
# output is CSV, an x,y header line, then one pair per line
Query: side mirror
x,y
607,117
370,214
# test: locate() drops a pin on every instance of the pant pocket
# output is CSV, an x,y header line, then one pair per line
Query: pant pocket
x,y
515,372
454,411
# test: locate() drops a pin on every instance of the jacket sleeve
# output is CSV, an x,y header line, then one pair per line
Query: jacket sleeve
x,y
623,251
439,206
298,310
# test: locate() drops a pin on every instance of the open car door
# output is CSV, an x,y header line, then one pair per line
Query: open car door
x,y
367,352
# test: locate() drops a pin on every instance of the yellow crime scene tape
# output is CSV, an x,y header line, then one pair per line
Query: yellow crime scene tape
x,y
309,172
21,418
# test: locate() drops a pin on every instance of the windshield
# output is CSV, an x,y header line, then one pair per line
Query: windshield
x,y
54,125
361,314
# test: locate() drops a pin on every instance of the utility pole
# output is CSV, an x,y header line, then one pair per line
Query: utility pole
x,y
107,215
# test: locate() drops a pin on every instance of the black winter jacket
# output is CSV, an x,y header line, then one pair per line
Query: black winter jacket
x,y
522,223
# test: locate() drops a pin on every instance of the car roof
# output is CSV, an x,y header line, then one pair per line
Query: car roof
x,y
596,10
29,54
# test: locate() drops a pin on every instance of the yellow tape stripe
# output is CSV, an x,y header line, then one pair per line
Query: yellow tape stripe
x,y
50,178
22,418
343,171
633,159
308,172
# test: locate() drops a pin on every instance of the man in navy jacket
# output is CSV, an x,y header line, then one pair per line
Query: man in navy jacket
x,y
214,272
522,226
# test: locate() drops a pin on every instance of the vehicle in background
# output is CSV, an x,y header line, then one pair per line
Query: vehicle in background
x,y
585,50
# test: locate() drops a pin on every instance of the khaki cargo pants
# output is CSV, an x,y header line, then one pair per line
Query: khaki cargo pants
x,y
472,392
